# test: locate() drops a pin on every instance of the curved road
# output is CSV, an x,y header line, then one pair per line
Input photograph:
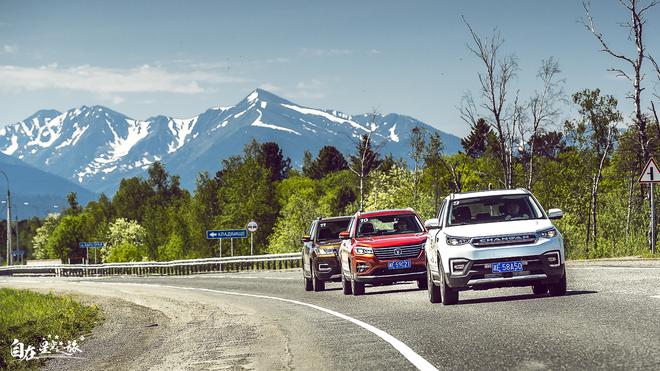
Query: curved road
x,y
609,319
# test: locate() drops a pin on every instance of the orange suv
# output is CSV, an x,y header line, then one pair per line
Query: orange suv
x,y
382,247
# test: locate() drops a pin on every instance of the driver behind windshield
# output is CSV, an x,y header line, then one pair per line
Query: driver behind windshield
x,y
513,211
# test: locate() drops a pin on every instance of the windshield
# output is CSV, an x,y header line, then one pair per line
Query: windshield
x,y
329,230
388,225
493,209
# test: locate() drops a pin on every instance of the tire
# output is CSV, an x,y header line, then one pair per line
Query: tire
x,y
422,284
449,295
318,284
434,291
559,288
540,289
345,285
357,287
308,283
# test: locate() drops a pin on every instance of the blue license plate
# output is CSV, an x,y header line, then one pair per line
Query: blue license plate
x,y
399,264
505,267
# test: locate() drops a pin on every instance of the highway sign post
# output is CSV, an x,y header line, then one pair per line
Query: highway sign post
x,y
226,233
651,176
90,245
252,227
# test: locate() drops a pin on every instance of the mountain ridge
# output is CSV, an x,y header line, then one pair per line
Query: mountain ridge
x,y
96,146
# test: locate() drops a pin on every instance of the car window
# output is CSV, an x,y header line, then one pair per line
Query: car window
x,y
328,230
492,209
388,225
442,209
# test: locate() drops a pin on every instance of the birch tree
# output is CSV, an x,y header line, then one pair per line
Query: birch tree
x,y
499,71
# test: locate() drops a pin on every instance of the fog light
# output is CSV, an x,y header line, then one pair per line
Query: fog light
x,y
361,267
553,258
458,266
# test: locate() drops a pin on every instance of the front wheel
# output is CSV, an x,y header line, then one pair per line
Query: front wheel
x,y
449,295
318,284
434,291
357,287
308,283
540,289
559,288
345,285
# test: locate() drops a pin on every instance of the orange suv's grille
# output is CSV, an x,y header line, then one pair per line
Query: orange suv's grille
x,y
399,252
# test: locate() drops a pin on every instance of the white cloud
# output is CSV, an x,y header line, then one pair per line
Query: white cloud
x,y
109,81
8,49
270,87
310,89
325,52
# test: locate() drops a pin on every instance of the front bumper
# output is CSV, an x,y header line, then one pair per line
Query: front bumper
x,y
326,268
478,274
377,271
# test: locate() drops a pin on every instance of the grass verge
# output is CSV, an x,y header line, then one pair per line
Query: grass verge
x,y
29,317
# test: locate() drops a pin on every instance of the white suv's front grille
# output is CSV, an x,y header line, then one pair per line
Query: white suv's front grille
x,y
508,240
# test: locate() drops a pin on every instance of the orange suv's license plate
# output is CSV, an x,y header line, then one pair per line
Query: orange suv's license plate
x,y
399,264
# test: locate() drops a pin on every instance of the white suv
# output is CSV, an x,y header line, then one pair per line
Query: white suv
x,y
490,239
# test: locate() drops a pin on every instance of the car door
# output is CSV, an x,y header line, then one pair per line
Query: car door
x,y
346,246
433,237
307,248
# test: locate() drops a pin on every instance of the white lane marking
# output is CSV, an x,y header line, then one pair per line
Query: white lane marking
x,y
414,358
656,297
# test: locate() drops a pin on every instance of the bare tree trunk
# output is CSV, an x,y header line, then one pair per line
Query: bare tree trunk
x,y
630,201
594,191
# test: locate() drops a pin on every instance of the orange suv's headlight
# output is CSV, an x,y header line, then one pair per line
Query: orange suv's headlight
x,y
364,251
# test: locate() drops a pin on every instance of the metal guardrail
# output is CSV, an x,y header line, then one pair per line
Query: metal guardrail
x,y
168,268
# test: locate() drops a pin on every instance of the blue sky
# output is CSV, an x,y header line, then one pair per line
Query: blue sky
x,y
177,58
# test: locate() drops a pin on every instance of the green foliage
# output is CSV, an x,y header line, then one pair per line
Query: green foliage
x,y
64,241
30,317
40,239
329,160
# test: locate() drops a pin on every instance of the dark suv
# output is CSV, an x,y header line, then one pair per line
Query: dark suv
x,y
319,252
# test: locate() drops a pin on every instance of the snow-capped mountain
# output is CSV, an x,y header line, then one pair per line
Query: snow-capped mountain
x,y
96,147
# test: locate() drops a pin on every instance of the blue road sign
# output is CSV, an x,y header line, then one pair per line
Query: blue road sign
x,y
228,233
91,245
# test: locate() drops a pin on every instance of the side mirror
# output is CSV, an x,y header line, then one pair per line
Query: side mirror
x,y
432,224
555,214
306,238
344,235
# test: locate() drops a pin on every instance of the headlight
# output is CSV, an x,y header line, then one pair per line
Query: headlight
x,y
364,251
548,233
457,241
322,251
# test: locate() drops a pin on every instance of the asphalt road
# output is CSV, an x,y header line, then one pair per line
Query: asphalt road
x,y
610,319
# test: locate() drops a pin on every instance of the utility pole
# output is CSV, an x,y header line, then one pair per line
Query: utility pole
x,y
9,258
18,245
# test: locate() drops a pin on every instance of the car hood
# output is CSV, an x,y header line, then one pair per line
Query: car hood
x,y
499,228
390,241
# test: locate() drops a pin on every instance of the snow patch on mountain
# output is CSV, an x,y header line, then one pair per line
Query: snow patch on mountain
x,y
259,123
180,129
74,137
393,136
12,147
326,115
